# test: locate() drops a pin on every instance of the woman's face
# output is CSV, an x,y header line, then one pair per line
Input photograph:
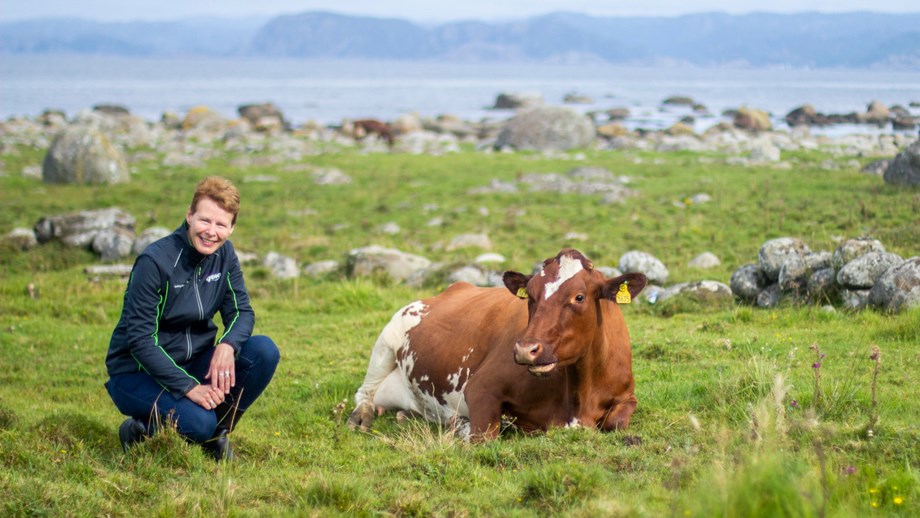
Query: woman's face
x,y
208,226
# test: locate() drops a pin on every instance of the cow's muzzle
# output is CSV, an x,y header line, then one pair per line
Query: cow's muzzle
x,y
533,354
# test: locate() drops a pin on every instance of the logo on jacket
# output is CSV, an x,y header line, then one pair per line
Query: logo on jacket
x,y
212,277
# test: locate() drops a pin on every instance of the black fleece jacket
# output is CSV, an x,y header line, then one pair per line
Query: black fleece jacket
x,y
172,295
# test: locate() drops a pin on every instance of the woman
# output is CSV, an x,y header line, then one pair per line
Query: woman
x,y
162,360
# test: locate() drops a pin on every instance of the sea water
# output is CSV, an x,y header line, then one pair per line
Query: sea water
x,y
329,91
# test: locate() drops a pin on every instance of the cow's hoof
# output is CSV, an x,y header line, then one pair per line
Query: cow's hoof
x,y
361,417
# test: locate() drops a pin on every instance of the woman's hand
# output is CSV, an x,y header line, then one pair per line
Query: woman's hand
x,y
222,372
205,396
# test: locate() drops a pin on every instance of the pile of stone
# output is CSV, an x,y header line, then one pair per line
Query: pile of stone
x,y
858,274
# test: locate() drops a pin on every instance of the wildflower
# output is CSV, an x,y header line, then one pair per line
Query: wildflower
x,y
816,365
794,404
873,490
849,470
874,503
277,434
876,353
898,500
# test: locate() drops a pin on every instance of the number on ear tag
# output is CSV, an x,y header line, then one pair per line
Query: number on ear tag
x,y
522,293
623,296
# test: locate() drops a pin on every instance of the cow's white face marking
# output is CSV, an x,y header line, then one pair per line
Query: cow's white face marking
x,y
568,268
574,423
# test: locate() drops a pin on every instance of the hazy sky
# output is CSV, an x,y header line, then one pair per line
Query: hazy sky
x,y
423,10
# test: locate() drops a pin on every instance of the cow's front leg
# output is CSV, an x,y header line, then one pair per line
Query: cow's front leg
x,y
620,413
485,417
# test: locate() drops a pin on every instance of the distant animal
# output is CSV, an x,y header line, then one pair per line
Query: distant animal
x,y
364,127
549,349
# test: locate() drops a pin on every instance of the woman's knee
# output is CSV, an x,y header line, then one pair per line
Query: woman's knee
x,y
197,426
262,349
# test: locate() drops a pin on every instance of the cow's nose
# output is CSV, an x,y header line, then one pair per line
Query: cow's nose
x,y
527,352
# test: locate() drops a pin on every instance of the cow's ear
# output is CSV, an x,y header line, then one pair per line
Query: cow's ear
x,y
516,283
633,283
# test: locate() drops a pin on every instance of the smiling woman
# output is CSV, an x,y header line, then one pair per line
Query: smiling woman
x,y
162,361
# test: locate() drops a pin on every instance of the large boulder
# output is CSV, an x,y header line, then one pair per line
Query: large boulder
x,y
645,263
83,154
752,120
748,281
898,288
905,168
862,272
547,128
81,228
776,252
853,248
514,101
264,117
377,260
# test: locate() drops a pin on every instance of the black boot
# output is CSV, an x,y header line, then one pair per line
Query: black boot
x,y
218,447
131,431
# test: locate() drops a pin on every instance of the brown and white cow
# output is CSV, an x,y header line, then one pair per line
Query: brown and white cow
x,y
550,350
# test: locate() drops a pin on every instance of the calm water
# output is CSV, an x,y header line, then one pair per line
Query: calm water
x,y
327,91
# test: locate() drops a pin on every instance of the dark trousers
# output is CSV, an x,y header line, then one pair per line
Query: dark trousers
x,y
139,396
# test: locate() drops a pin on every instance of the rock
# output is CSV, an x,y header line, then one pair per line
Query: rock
x,y
264,117
84,155
904,169
806,115
748,281
406,123
863,271
898,288
822,285
876,167
793,275
705,261
330,176
762,150
109,270
710,293
854,299
205,119
513,101
390,228
642,262
853,248
547,128
574,98
769,297
79,229
21,239
321,268
470,274
752,120
113,243
374,260
480,241
777,251
281,266
111,109
147,237
678,100
818,260
876,113
490,258
612,130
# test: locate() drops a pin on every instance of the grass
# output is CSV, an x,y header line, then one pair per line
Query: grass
x,y
733,418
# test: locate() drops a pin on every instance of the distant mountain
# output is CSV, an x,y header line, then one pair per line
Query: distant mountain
x,y
860,39
193,37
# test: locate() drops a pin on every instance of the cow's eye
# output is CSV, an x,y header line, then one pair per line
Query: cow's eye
x,y
579,298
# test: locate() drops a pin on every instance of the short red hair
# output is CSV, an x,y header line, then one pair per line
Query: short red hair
x,y
221,191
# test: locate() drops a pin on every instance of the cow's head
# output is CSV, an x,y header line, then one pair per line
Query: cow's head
x,y
564,305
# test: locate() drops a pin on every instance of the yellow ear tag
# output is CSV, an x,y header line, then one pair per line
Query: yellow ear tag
x,y
623,296
522,293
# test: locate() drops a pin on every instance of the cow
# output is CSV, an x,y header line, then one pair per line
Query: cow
x,y
365,127
548,349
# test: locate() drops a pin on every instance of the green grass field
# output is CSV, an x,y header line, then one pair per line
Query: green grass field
x,y
733,419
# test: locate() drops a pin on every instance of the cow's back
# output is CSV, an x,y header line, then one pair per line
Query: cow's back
x,y
459,328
